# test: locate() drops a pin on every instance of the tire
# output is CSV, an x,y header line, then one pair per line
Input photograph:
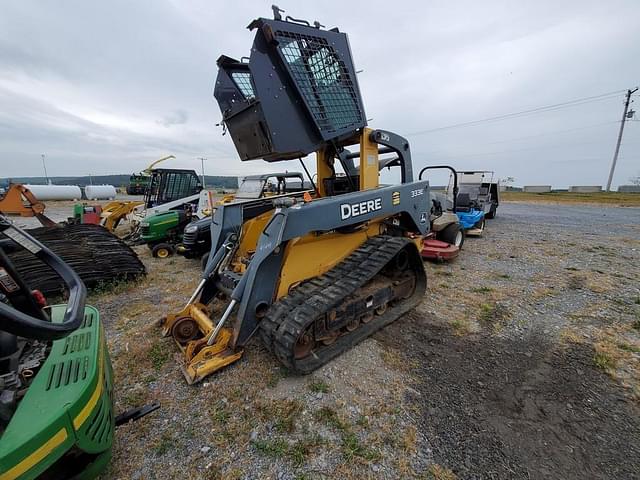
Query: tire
x,y
492,211
162,250
480,225
204,260
452,234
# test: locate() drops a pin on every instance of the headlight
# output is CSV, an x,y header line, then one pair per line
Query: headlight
x,y
191,229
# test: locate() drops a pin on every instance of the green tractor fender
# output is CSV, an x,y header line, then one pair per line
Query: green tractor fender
x,y
161,226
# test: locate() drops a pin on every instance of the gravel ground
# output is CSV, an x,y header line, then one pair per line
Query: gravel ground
x,y
522,362
526,351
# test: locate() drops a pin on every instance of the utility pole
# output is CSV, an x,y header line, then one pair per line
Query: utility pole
x,y
44,165
202,160
624,119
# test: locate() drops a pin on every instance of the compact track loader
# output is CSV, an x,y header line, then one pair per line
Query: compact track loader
x,y
310,276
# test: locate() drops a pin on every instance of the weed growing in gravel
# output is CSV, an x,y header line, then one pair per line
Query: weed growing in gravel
x,y
271,448
461,326
275,377
158,355
576,282
604,361
437,472
636,325
351,447
165,442
506,276
329,416
629,348
297,452
494,313
482,290
318,386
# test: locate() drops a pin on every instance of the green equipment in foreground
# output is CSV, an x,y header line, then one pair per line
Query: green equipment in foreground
x,y
56,405
56,402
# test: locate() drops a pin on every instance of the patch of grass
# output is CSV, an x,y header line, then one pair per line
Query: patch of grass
x,y
297,452
271,448
493,313
135,397
409,439
437,472
629,348
159,354
164,444
220,413
318,386
576,282
445,273
362,421
461,326
352,447
394,359
609,198
482,290
275,377
283,413
329,416
604,361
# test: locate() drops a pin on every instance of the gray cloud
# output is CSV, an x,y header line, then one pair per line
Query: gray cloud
x,y
96,85
178,117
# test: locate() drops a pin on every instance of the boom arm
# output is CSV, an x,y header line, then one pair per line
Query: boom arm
x,y
153,164
20,201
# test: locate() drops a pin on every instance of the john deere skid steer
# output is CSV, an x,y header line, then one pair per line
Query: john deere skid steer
x,y
310,276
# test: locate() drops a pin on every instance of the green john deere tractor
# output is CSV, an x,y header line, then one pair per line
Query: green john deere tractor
x,y
56,404
163,231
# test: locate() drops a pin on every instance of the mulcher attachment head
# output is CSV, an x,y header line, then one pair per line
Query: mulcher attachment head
x,y
297,93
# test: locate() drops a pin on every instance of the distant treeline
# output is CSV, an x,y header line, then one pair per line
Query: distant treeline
x,y
115,180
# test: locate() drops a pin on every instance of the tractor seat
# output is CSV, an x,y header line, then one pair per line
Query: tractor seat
x,y
463,203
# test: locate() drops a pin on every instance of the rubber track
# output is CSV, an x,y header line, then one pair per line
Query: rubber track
x,y
287,318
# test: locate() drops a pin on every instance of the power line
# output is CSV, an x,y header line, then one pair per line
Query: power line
x,y
544,109
585,127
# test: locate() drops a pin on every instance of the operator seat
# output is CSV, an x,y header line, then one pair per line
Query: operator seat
x,y
463,202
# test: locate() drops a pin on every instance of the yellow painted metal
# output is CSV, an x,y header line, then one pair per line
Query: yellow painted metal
x,y
369,173
324,168
197,311
202,359
36,456
95,396
153,164
251,231
326,250
113,212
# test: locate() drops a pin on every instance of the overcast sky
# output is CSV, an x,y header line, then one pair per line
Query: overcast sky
x,y
107,87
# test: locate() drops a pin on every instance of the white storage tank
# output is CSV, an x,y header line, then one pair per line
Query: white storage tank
x,y
100,192
537,189
56,192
